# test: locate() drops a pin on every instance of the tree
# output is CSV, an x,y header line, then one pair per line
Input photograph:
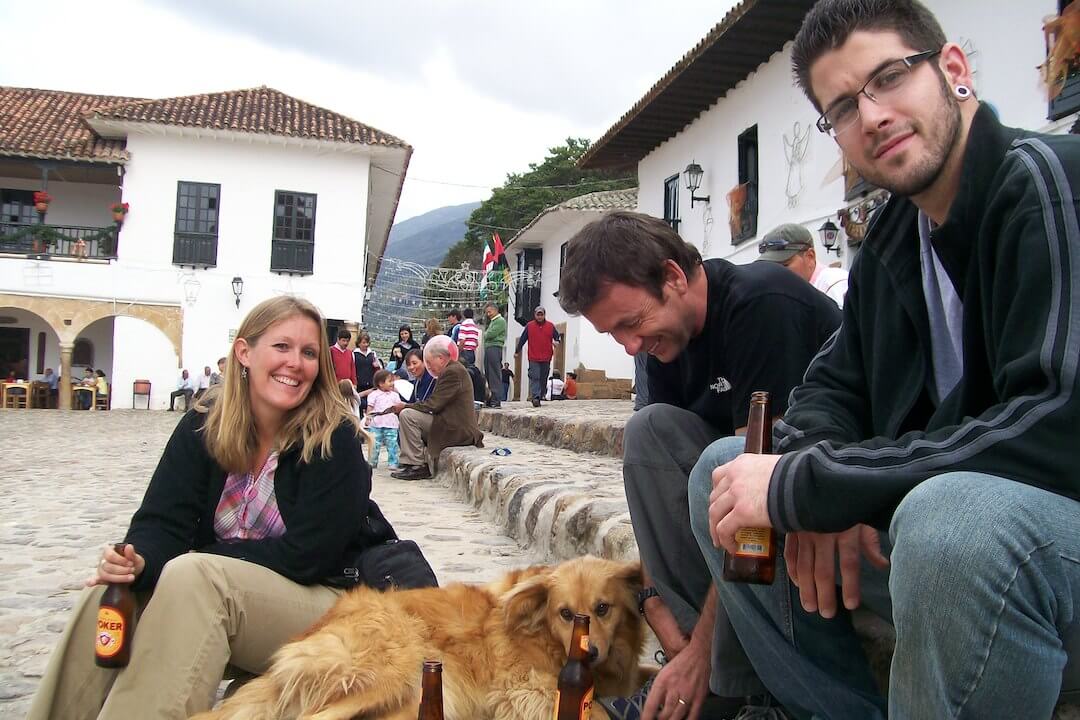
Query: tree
x,y
524,196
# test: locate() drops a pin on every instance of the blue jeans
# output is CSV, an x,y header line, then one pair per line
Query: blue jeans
x,y
983,590
387,437
538,376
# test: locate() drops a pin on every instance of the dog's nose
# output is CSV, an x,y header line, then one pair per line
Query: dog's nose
x,y
594,652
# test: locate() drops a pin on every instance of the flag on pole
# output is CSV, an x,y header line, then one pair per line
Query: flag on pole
x,y
494,255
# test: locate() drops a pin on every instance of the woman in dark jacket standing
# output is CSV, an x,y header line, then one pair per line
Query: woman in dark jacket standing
x,y
260,495
404,344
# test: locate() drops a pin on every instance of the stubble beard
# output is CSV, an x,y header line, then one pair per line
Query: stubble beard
x,y
940,145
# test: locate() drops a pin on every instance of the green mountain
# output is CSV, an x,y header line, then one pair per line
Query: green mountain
x,y
424,239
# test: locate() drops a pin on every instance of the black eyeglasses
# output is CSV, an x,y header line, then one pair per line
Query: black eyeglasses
x,y
884,84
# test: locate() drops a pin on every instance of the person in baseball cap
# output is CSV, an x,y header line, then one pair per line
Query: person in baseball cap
x,y
792,246
783,243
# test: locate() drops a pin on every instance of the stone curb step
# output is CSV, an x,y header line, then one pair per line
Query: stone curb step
x,y
578,425
559,503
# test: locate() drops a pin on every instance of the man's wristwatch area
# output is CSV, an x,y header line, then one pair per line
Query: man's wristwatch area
x,y
643,595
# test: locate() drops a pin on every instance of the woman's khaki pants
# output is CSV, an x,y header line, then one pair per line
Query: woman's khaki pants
x,y
206,611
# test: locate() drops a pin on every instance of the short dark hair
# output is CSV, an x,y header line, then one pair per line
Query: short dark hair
x,y
455,313
621,247
572,375
467,312
379,376
830,23
412,353
344,334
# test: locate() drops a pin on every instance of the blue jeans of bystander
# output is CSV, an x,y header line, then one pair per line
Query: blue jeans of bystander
x,y
983,590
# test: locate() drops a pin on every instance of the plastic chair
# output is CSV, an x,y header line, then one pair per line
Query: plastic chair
x,y
139,387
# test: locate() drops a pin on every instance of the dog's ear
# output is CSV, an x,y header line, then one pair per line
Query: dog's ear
x,y
630,575
525,605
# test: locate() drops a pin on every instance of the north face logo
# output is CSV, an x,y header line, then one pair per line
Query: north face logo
x,y
721,385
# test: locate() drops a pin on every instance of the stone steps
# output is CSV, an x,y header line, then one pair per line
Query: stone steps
x,y
577,425
560,503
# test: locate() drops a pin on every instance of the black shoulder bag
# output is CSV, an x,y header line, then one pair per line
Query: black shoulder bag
x,y
394,564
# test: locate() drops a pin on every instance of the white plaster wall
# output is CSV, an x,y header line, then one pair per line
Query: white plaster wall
x,y
142,351
1008,40
100,335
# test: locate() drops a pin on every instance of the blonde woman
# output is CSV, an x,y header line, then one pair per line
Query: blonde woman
x,y
260,494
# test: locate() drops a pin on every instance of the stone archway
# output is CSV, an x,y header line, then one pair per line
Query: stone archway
x,y
70,316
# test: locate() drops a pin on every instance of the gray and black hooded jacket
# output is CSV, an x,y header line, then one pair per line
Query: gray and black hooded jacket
x,y
866,426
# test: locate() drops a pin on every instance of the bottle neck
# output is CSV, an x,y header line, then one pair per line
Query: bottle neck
x,y
759,428
579,642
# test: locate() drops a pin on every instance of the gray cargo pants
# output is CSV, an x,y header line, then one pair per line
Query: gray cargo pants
x,y
661,444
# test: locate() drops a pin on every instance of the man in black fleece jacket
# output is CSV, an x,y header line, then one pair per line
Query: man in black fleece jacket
x,y
944,413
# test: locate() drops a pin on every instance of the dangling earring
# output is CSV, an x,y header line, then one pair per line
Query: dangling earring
x,y
963,92
243,373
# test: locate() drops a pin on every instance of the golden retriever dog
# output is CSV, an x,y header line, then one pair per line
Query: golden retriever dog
x,y
502,646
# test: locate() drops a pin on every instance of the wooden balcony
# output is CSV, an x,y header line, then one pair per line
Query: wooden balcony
x,y
70,241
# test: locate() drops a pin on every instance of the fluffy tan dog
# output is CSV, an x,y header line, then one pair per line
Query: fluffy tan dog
x,y
502,646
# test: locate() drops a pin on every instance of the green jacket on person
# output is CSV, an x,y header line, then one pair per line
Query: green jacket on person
x,y
495,334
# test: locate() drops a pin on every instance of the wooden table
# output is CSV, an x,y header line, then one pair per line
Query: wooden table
x,y
76,388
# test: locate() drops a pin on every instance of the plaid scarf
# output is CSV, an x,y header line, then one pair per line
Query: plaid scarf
x,y
248,507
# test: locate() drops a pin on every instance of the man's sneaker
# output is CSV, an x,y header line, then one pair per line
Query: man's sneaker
x,y
627,708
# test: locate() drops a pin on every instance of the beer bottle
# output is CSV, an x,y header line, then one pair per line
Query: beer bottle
x,y
574,696
754,560
115,624
431,706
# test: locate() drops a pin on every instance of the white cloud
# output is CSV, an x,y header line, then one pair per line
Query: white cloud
x,y
479,89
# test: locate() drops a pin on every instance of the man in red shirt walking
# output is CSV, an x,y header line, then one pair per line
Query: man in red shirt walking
x,y
542,337
341,357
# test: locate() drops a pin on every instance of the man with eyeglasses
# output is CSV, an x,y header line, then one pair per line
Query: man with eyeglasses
x,y
931,452
792,246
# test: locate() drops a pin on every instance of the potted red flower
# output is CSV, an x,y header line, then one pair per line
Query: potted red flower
x,y
119,210
41,201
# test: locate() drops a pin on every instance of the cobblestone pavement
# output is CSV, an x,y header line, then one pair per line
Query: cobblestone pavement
x,y
72,481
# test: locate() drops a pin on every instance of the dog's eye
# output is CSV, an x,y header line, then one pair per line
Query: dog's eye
x,y
566,615
602,609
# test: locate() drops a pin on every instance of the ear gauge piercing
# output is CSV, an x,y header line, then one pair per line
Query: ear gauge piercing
x,y
963,92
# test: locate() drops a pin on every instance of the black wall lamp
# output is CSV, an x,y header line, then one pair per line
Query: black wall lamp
x,y
830,235
692,174
238,289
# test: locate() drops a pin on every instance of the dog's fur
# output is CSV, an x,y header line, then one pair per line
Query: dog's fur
x,y
502,646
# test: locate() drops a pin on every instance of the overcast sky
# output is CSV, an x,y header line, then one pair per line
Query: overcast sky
x,y
478,88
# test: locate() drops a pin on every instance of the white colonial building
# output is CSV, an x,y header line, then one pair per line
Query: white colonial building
x,y
730,107
538,252
232,198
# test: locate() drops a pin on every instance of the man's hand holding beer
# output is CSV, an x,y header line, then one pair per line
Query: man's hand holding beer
x,y
116,568
740,497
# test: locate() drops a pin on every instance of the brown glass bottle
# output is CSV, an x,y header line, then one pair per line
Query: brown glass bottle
x,y
431,706
755,559
574,697
115,624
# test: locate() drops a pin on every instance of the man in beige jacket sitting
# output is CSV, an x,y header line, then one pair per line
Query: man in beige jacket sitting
x,y
446,419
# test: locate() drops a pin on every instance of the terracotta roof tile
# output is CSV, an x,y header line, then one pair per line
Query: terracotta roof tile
x,y
260,110
52,124
49,124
